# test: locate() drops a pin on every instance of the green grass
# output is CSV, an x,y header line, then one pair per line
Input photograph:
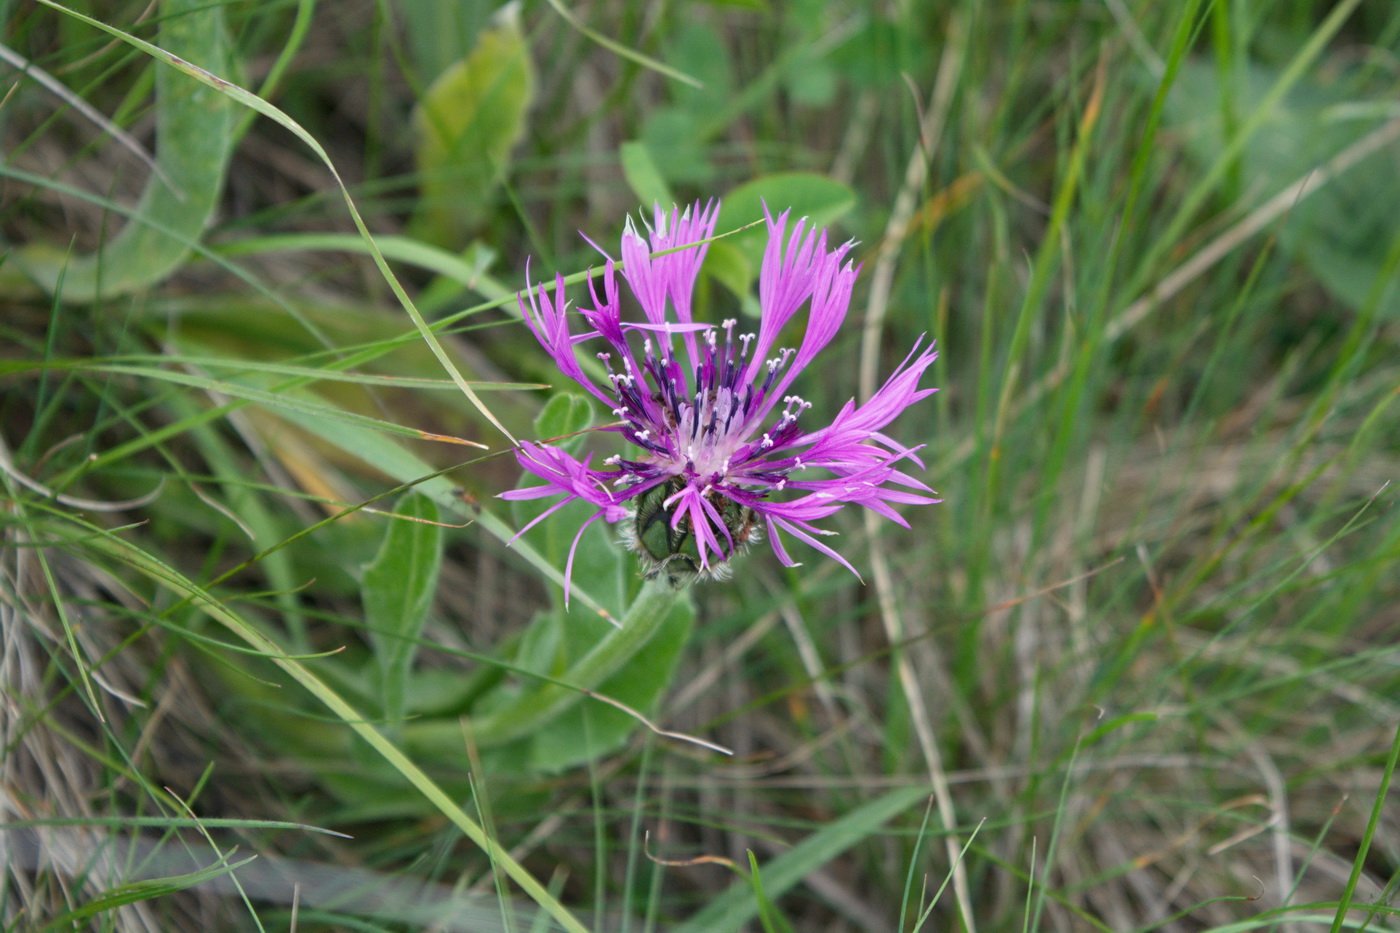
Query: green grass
x,y
1137,672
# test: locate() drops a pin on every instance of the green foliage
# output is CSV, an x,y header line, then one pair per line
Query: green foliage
x,y
1344,231
259,402
735,261
194,140
737,905
397,592
644,175
470,118
565,414
679,129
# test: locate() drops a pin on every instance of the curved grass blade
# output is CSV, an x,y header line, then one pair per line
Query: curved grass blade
x,y
248,99
185,589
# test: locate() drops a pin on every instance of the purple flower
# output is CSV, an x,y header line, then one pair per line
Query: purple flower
x,y
719,450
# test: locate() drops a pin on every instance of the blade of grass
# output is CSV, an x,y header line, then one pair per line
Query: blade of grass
x,y
737,906
179,585
248,99
1364,848
621,50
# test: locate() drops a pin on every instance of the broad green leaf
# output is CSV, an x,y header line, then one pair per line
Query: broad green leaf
x,y
680,132
540,649
820,199
614,653
730,266
593,728
565,414
466,125
674,131
643,175
194,139
1343,230
812,82
543,725
397,592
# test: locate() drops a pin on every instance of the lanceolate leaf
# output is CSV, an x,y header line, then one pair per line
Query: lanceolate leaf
x,y
398,590
194,138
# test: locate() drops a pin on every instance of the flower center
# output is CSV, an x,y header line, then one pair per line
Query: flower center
x,y
699,428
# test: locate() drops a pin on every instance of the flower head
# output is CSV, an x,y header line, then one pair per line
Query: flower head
x,y
720,450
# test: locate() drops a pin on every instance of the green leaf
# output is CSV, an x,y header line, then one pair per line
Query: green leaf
x,y
524,715
674,131
194,140
681,130
466,125
731,267
593,729
284,400
468,270
564,414
1343,230
767,915
643,175
820,199
144,890
440,32
397,591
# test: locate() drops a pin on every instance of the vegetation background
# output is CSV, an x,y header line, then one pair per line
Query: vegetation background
x,y
1138,672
